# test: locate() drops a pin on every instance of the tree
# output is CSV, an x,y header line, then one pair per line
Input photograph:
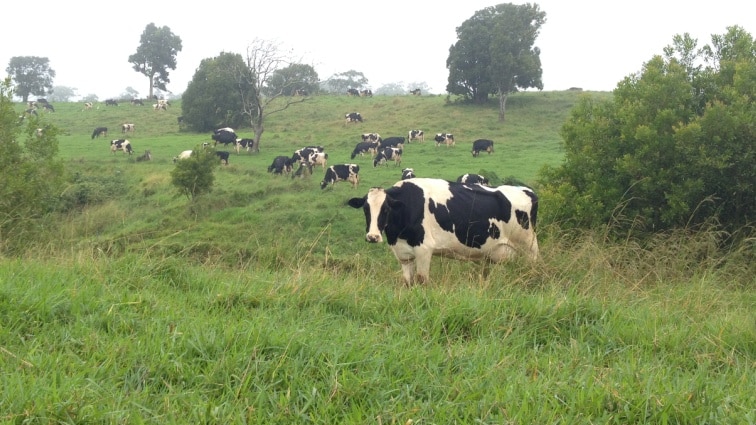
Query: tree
x,y
264,60
494,53
130,93
339,83
194,176
391,89
293,78
31,175
61,94
155,55
213,98
32,75
674,148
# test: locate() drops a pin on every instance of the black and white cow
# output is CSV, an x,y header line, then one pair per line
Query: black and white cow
x,y
99,131
341,172
423,217
111,102
386,155
245,144
281,165
445,138
126,128
415,92
183,155
223,156
365,147
418,135
408,173
392,142
87,105
302,156
121,145
353,117
370,137
225,136
353,92
317,158
482,145
137,102
472,179
48,107
366,93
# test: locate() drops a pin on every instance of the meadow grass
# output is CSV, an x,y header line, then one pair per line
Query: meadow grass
x,y
261,302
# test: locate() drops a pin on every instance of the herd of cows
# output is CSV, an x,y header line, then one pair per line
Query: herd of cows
x,y
420,217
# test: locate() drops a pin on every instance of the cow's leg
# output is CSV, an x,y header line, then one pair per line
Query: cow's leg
x,y
408,271
422,265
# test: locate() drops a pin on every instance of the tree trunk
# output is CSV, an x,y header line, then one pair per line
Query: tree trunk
x,y
502,105
257,127
151,78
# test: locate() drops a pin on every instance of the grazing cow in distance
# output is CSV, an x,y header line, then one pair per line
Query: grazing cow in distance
x,y
121,145
418,135
160,106
111,102
341,172
386,155
445,138
317,158
353,117
423,217
392,142
472,179
415,92
223,155
408,173
366,93
353,92
245,144
370,137
225,135
48,107
99,131
482,145
365,147
127,128
281,165
137,102
87,105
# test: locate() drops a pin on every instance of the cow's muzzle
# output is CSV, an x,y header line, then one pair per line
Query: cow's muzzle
x,y
373,238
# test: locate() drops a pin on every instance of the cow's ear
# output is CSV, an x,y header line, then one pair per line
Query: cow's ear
x,y
357,202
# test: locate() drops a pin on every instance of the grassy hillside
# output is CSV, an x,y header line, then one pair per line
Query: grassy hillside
x,y
261,302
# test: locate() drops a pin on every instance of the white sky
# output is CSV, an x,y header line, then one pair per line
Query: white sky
x,y
592,44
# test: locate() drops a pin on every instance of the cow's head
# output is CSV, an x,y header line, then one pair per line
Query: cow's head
x,y
377,205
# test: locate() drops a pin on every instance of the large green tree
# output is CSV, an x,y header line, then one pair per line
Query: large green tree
x,y
214,96
155,55
62,94
32,75
495,53
30,175
674,147
340,82
293,78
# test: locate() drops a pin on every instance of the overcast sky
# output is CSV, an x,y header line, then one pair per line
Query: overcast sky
x,y
592,44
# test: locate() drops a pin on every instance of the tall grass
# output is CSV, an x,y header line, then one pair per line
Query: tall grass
x,y
261,303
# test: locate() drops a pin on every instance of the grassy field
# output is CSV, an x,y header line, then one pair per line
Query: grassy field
x,y
261,302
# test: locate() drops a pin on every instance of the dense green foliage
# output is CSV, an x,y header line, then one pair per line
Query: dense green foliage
x,y
293,79
674,148
340,82
30,173
155,55
31,75
214,97
494,53
194,176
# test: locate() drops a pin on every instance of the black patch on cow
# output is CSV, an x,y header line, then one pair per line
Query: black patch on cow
x,y
401,215
523,218
468,212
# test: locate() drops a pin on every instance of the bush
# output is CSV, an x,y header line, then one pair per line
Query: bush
x,y
194,176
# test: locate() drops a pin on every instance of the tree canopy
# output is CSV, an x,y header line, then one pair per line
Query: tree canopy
x,y
339,83
155,55
293,79
674,148
32,75
495,53
213,98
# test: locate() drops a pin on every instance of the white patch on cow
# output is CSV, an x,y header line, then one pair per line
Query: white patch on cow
x,y
375,198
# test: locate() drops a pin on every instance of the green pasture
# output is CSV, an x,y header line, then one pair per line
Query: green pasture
x,y
261,303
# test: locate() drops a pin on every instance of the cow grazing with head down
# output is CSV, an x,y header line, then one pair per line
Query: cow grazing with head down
x,y
408,173
341,172
444,138
423,217
127,128
472,179
353,117
245,144
225,136
392,142
482,145
366,93
418,135
353,92
223,156
183,155
370,137
87,105
386,155
99,131
121,145
364,147
111,102
281,165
